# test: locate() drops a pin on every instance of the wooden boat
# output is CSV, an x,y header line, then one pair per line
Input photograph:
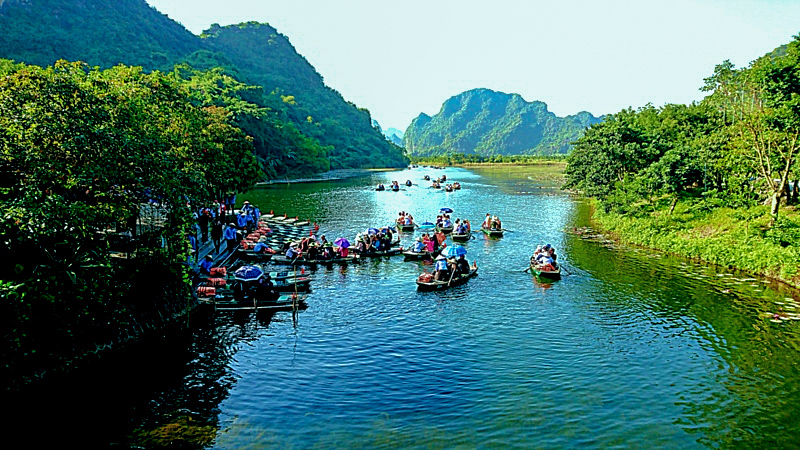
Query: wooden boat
x,y
414,256
281,259
378,254
284,302
461,237
395,188
492,233
249,255
456,186
546,271
445,230
407,227
446,284
380,188
409,183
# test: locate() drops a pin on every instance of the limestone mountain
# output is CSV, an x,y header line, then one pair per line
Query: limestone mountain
x,y
486,122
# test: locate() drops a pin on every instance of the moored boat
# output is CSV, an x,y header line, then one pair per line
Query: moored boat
x,y
281,259
284,302
446,284
379,253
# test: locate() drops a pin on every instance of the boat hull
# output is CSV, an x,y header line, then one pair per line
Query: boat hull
x,y
492,233
461,237
549,274
442,285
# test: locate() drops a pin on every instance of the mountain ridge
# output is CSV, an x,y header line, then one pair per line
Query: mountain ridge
x,y
486,122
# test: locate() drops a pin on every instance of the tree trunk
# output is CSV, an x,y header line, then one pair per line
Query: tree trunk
x,y
672,206
773,210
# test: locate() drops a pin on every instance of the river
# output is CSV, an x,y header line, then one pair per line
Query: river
x,y
631,348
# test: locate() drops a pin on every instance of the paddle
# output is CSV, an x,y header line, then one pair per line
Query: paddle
x,y
451,276
527,269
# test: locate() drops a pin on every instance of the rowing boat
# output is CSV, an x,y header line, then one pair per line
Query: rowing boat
x,y
281,259
546,271
284,302
493,233
379,253
416,256
442,285
250,255
461,237
445,230
405,227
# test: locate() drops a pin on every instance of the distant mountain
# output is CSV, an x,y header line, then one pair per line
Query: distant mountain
x,y
307,120
394,135
394,131
486,122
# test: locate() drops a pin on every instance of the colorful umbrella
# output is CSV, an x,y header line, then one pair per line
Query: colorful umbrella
x,y
373,231
453,251
248,273
341,242
446,210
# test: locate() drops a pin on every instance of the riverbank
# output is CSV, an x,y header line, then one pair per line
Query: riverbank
x,y
331,175
738,239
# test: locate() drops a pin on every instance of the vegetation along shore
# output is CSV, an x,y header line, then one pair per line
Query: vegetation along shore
x,y
715,180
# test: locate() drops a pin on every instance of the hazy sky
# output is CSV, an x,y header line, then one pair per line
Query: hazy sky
x,y
400,58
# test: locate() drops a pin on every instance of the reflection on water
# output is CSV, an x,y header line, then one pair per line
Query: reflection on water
x,y
629,348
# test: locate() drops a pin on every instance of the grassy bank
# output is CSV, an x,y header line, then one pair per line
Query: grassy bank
x,y
734,238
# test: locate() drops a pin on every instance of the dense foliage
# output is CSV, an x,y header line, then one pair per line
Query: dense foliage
x,y
81,151
304,126
489,123
736,148
709,179
456,159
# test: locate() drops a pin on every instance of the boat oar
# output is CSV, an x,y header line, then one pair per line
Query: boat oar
x,y
451,276
527,269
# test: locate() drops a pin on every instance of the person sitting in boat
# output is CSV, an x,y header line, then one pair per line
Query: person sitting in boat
x,y
419,246
262,247
440,269
206,264
462,265
408,183
487,221
327,252
462,228
292,252
495,223
446,222
380,187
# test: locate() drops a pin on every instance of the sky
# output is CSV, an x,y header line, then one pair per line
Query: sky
x,y
402,58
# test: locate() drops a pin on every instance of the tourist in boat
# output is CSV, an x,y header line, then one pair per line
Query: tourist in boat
x,y
487,221
262,247
441,271
292,252
408,183
206,264
419,246
429,243
495,223
265,290
380,187
461,228
462,265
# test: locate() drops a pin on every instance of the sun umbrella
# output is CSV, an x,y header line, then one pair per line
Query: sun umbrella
x,y
248,273
454,250
446,210
341,242
373,231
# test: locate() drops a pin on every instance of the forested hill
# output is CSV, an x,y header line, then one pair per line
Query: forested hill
x,y
486,122
100,32
306,127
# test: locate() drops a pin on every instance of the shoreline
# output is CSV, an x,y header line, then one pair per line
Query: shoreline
x,y
331,175
623,237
